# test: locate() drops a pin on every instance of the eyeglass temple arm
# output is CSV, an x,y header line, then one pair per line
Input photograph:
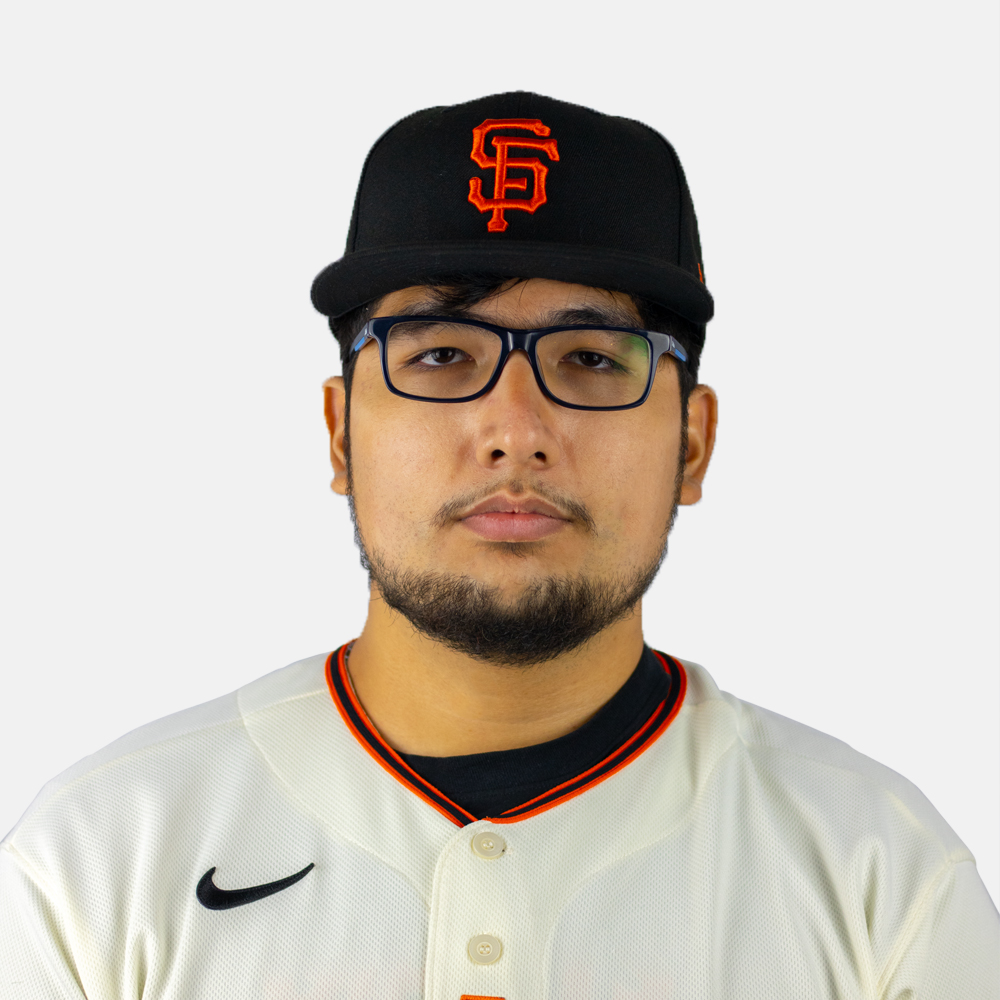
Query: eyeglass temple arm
x,y
666,344
362,338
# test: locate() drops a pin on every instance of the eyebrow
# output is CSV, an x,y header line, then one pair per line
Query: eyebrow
x,y
610,316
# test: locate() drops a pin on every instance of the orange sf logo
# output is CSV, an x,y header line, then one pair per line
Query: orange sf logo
x,y
501,163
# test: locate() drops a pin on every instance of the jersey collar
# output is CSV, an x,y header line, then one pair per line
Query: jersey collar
x,y
342,693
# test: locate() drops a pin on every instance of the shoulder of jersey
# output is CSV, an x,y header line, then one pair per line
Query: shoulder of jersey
x,y
823,775
812,774
151,741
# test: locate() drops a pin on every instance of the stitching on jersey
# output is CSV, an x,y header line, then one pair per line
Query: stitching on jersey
x,y
40,804
30,869
70,969
249,713
360,725
754,747
306,809
912,924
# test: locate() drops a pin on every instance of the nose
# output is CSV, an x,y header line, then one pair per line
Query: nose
x,y
516,422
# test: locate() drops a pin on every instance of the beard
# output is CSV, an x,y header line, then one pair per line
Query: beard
x,y
552,616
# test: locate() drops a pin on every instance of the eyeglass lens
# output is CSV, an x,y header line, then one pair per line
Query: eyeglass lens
x,y
589,367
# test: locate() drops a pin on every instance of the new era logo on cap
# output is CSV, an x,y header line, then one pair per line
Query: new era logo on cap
x,y
502,162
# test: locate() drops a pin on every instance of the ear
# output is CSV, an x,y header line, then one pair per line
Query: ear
x,y
703,414
335,407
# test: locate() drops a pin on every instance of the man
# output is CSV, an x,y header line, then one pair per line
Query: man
x,y
497,790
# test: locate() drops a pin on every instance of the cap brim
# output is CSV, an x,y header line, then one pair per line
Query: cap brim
x,y
364,275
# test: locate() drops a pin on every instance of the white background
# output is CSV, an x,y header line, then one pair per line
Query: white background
x,y
174,175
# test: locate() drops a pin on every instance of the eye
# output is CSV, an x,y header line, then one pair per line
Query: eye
x,y
591,359
439,357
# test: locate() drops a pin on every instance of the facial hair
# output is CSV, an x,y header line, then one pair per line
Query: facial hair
x,y
551,616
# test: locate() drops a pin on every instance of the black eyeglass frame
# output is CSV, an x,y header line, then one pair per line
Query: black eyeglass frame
x,y
516,340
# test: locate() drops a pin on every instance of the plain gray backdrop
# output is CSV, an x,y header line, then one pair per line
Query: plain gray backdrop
x,y
174,175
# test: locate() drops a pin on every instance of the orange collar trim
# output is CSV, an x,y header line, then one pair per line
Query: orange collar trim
x,y
357,721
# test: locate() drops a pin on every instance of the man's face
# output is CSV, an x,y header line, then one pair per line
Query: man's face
x,y
511,490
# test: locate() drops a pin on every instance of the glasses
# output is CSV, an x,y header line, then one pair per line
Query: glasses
x,y
444,360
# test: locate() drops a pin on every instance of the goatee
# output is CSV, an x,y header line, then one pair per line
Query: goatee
x,y
552,616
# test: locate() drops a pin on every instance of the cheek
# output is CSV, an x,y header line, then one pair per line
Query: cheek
x,y
396,465
646,490
636,468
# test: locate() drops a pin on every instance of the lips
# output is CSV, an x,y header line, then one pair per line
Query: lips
x,y
500,519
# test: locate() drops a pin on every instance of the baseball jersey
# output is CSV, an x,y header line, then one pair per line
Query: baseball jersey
x,y
270,844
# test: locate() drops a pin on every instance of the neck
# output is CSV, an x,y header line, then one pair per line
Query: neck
x,y
427,699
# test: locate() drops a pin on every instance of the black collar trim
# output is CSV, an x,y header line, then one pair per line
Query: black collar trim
x,y
354,715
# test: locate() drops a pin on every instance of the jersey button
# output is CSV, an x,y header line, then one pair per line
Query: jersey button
x,y
488,844
484,949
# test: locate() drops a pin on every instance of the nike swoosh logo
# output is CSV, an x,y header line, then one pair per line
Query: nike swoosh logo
x,y
214,898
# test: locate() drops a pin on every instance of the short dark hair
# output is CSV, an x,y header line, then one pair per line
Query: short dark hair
x,y
460,291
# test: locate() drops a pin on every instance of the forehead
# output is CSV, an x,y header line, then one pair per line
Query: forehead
x,y
533,301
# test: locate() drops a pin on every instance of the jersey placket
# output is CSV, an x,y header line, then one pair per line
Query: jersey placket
x,y
484,936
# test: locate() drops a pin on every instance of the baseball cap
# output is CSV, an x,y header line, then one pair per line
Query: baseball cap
x,y
521,185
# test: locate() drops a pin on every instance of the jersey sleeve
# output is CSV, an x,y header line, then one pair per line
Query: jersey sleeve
x,y
952,947
36,958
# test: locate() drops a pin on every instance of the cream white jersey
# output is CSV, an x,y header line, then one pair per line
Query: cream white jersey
x,y
269,845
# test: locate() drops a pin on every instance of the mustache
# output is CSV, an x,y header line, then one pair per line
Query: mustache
x,y
570,507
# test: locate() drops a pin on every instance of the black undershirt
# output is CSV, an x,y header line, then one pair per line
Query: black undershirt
x,y
488,784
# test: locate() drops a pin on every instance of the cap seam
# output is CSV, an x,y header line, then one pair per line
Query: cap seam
x,y
356,215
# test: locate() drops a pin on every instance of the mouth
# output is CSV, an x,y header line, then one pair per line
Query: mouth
x,y
526,519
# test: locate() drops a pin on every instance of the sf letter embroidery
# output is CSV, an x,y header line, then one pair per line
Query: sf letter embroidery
x,y
502,162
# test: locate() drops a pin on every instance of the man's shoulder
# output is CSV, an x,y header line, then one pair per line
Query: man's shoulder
x,y
191,737
808,778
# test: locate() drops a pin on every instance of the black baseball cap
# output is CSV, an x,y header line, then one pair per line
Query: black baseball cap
x,y
521,185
